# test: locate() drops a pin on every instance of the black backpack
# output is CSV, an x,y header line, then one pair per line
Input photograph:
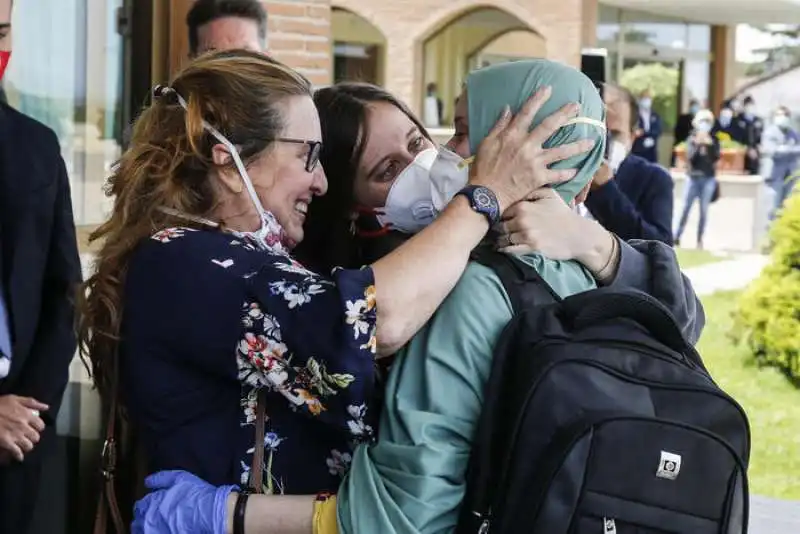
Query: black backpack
x,y
600,418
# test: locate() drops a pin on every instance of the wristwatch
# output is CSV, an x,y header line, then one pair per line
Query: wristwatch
x,y
484,201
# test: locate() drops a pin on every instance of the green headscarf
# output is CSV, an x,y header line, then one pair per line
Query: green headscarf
x,y
489,90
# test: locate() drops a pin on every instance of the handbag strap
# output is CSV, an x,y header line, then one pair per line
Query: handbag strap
x,y
257,469
107,503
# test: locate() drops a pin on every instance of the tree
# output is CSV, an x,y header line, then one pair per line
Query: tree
x,y
662,81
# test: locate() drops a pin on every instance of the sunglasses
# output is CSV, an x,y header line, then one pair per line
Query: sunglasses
x,y
314,149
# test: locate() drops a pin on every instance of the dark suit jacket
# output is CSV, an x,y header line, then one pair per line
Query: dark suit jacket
x,y
40,266
637,203
654,132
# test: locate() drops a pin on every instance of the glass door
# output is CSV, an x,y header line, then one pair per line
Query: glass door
x,y
67,72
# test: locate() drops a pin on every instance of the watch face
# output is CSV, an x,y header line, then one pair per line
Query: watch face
x,y
483,199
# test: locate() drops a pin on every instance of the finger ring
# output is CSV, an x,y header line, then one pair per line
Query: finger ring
x,y
35,413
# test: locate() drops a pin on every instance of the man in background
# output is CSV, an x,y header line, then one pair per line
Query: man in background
x,y
748,128
39,273
648,129
433,114
725,123
222,25
227,24
630,196
780,152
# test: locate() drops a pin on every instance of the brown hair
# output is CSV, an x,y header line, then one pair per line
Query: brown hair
x,y
343,114
168,165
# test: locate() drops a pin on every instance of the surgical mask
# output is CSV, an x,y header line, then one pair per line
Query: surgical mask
x,y
694,109
646,103
703,126
750,110
270,234
725,116
617,155
782,121
5,57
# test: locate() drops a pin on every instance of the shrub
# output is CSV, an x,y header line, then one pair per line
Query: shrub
x,y
768,318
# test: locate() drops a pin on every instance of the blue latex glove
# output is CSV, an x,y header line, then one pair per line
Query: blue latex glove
x,y
180,502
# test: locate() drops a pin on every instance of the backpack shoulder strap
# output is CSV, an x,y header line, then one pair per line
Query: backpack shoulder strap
x,y
522,282
525,289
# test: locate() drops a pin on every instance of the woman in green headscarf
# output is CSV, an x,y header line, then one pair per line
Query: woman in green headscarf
x,y
412,479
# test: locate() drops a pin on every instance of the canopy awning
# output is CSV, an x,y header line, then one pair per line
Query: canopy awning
x,y
728,12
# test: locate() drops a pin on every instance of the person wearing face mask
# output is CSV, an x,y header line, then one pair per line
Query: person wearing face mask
x,y
702,153
725,123
648,129
780,152
748,130
412,479
39,272
630,196
230,358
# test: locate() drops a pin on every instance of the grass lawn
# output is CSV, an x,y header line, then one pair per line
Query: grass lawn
x,y
689,257
771,402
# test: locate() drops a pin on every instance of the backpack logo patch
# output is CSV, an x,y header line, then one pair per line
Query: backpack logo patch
x,y
669,467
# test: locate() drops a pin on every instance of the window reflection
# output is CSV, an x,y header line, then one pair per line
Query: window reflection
x,y
66,71
633,37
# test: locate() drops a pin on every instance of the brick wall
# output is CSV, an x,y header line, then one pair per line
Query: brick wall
x,y
407,23
300,32
300,35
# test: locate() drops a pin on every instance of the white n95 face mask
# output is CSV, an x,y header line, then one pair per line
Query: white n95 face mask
x,y
409,206
423,189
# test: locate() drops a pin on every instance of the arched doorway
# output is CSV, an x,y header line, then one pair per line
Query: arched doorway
x,y
359,48
510,46
476,38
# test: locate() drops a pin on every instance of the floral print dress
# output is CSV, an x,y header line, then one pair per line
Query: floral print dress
x,y
209,321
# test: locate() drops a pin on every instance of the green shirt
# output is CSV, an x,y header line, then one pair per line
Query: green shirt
x,y
412,480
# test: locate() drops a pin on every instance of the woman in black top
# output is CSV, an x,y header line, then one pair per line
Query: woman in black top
x,y
702,152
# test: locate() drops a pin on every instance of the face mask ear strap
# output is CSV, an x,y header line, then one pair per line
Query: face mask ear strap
x,y
586,120
237,160
369,212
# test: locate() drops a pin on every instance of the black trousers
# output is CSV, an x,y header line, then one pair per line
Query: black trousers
x,y
19,487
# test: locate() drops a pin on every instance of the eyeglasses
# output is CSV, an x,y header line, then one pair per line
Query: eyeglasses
x,y
314,148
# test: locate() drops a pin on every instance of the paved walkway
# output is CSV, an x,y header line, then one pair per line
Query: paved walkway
x,y
726,275
773,516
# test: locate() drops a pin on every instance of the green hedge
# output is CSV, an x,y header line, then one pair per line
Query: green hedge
x,y
768,318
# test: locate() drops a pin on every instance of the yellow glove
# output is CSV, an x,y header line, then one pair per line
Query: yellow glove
x,y
325,520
